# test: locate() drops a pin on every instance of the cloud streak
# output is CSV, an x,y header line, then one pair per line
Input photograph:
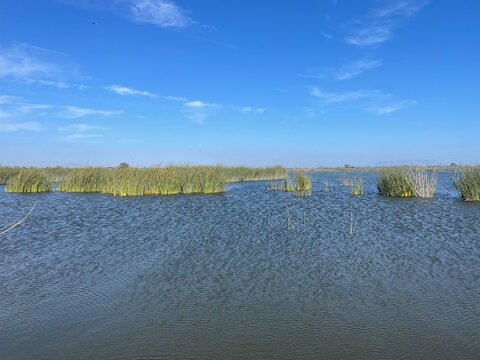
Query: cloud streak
x,y
346,71
379,25
195,110
377,101
249,109
82,132
122,90
330,98
26,126
17,106
74,112
161,13
385,110
25,61
201,104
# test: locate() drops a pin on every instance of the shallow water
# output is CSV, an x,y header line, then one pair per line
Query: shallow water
x,y
244,274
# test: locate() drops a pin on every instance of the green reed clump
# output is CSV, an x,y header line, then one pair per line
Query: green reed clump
x,y
6,173
288,184
275,186
84,180
29,181
467,183
396,182
169,180
357,186
56,174
242,173
303,182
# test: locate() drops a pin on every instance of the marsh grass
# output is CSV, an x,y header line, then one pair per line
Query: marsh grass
x,y
300,185
170,180
275,186
346,182
357,186
288,184
29,181
84,180
467,183
242,173
303,182
126,181
6,173
424,182
395,182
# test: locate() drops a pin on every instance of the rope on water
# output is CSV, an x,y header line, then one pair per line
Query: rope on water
x,y
19,222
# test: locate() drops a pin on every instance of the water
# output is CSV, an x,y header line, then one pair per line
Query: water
x,y
241,275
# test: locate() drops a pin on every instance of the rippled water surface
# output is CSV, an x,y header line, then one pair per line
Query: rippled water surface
x,y
248,274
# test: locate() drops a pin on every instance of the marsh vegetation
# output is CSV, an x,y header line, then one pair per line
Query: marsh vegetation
x,y
128,181
28,181
467,184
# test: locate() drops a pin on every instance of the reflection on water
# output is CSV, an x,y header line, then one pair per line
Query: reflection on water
x,y
223,276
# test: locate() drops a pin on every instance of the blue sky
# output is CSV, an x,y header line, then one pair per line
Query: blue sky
x,y
252,82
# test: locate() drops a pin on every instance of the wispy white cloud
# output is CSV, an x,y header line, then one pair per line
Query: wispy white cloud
x,y
122,90
162,13
29,64
329,98
81,128
195,110
249,109
175,98
327,36
17,107
26,126
81,132
4,114
25,61
402,8
28,108
9,99
74,112
370,36
346,71
201,104
14,106
356,68
76,137
378,26
388,109
59,84
198,111
374,101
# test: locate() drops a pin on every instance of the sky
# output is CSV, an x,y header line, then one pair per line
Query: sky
x,y
303,83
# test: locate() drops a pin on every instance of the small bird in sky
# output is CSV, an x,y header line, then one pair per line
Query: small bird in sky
x,y
94,23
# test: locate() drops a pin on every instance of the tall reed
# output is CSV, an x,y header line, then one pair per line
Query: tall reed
x,y
467,183
29,181
395,182
424,182
303,182
85,180
357,187
242,173
166,181
6,173
344,181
